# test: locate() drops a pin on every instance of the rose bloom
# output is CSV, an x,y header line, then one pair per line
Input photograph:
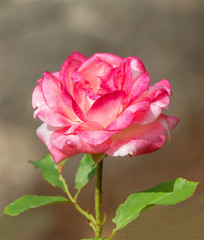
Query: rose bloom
x,y
102,104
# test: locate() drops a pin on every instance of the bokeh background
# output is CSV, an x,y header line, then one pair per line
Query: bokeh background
x,y
37,36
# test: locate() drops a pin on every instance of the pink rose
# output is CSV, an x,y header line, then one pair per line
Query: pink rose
x,y
102,104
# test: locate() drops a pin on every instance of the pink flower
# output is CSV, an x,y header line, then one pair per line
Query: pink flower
x,y
102,104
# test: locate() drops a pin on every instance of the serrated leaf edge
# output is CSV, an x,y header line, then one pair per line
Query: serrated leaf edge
x,y
152,203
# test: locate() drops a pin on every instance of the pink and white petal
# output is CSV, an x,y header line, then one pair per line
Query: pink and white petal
x,y
80,126
70,65
45,132
137,67
127,76
95,137
148,116
90,126
75,56
56,75
39,81
137,140
52,92
165,84
169,123
37,97
46,114
78,56
112,81
160,93
60,155
76,142
59,140
162,99
83,101
72,105
64,132
61,136
139,86
69,130
92,69
92,95
52,118
118,78
106,108
126,118
112,59
66,74
77,77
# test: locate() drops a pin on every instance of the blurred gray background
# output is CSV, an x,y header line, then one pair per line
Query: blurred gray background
x,y
37,36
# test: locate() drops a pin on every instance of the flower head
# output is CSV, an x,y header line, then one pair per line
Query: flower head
x,y
102,104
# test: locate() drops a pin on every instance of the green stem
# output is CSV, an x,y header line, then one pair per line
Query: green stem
x,y
98,196
112,234
89,217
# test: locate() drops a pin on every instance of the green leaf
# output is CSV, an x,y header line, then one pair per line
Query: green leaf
x,y
31,201
85,172
166,193
51,170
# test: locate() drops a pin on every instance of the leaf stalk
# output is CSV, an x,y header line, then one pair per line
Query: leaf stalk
x,y
89,217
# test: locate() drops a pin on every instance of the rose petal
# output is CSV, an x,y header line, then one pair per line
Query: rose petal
x,y
137,139
72,105
46,114
169,123
95,137
69,66
52,118
127,76
126,118
56,75
165,84
60,136
106,108
60,155
92,69
112,59
160,93
76,57
81,98
45,132
137,67
52,92
92,126
112,81
139,86
148,116
37,97
78,143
